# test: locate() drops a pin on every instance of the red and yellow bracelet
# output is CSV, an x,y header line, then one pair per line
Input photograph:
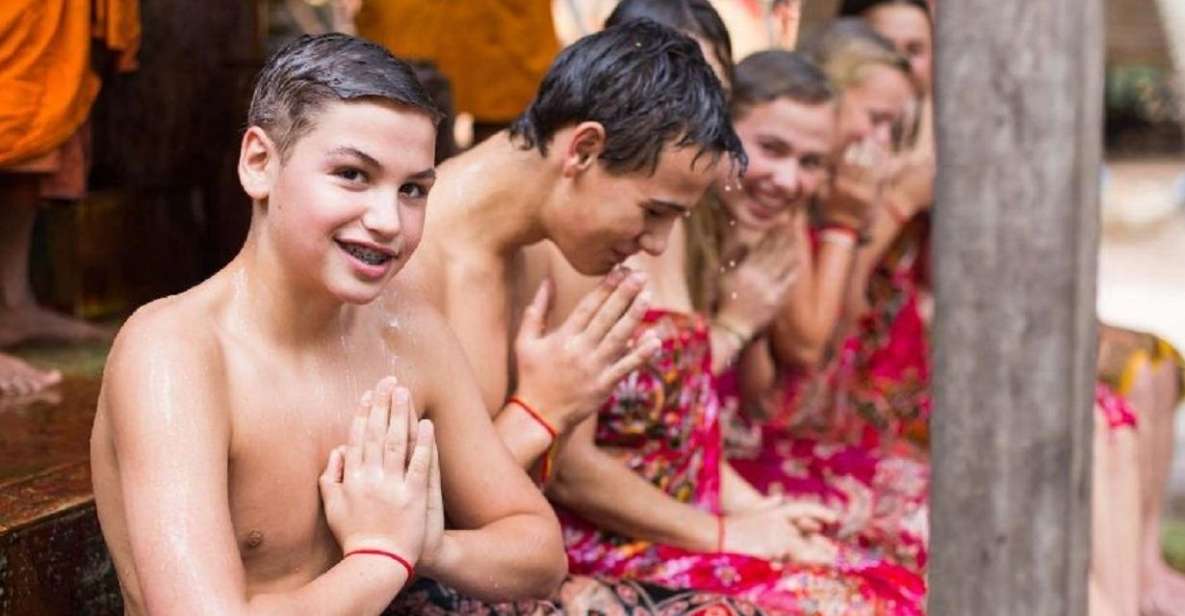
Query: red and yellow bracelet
x,y
545,471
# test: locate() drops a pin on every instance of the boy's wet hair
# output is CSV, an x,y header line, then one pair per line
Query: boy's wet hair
x,y
776,73
647,84
310,71
697,18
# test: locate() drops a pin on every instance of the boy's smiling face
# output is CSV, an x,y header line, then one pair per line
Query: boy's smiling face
x,y
345,210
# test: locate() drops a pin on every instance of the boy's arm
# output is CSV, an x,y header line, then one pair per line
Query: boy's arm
x,y
171,434
606,492
504,542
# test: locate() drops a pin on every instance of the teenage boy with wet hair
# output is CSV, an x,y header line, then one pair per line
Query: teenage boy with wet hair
x,y
623,137
220,475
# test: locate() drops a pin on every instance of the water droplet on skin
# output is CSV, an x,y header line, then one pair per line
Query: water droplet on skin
x,y
732,263
732,223
733,295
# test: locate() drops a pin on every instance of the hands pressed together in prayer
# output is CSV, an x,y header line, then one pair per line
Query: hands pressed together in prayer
x,y
755,282
381,491
568,373
857,185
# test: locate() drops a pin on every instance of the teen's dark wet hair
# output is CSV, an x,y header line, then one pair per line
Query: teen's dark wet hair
x,y
310,71
647,84
697,18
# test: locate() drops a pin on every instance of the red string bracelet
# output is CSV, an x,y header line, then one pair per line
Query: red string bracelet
x,y
411,571
545,470
517,401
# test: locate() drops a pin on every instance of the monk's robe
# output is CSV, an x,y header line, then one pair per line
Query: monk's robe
x,y
47,85
494,53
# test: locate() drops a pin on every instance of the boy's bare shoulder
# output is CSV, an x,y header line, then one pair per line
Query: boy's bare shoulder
x,y
168,342
413,314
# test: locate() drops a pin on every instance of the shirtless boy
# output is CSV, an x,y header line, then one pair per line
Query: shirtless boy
x,y
225,408
623,138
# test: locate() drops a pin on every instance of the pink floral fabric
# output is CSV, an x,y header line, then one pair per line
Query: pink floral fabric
x,y
666,418
851,433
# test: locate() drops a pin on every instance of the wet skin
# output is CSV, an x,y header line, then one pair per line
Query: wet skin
x,y
497,203
220,405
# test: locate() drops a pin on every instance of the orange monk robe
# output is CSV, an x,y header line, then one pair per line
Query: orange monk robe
x,y
494,52
47,85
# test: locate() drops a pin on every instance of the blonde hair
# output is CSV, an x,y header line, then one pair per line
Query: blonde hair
x,y
848,47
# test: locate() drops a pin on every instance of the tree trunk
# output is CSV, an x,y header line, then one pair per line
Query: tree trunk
x,y
1019,104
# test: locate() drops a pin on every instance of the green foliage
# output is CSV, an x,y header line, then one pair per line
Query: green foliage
x,y
1140,92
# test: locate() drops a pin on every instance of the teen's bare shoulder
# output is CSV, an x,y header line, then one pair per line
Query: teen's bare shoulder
x,y
422,333
170,343
414,315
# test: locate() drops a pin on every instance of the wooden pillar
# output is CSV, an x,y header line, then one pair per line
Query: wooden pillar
x,y
1019,104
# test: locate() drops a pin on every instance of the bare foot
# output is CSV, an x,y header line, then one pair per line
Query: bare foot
x,y
18,378
32,322
1164,590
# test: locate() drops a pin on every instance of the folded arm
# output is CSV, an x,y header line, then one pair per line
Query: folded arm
x,y
606,492
504,541
171,435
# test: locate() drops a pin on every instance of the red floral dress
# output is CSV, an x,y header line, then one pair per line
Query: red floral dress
x,y
665,417
846,433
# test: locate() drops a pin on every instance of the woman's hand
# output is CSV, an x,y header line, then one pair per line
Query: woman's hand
x,y
754,284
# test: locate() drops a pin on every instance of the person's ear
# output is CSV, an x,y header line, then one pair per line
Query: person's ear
x,y
258,160
583,148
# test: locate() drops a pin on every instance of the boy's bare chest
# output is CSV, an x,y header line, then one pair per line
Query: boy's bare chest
x,y
285,424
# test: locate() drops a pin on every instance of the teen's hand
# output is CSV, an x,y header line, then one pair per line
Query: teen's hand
x,y
856,185
911,187
434,537
754,289
567,374
376,488
777,533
